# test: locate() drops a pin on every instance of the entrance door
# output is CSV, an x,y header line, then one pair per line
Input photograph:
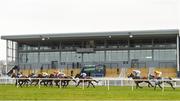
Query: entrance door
x,y
54,64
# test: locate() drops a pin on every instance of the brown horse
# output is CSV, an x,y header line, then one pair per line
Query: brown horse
x,y
88,79
20,80
141,79
62,80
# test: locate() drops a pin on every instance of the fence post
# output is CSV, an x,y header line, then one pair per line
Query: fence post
x,y
39,83
108,84
60,83
132,88
83,84
17,82
163,85
121,82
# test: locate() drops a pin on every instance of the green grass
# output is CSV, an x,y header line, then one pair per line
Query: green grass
x,y
10,92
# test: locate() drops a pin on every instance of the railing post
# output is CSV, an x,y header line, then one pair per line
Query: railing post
x,y
17,82
132,88
108,84
39,83
83,84
163,85
60,83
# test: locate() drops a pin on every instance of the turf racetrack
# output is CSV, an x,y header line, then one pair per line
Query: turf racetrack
x,y
10,92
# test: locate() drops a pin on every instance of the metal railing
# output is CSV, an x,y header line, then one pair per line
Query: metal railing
x,y
107,82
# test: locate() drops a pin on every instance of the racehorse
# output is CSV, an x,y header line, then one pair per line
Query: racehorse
x,y
141,79
21,80
63,79
87,79
158,81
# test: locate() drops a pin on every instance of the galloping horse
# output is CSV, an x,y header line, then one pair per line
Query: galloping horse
x,y
143,79
87,79
63,79
160,80
36,79
21,80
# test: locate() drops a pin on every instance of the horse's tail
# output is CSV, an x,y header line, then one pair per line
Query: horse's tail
x,y
96,81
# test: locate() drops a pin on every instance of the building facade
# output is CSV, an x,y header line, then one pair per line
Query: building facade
x,y
152,48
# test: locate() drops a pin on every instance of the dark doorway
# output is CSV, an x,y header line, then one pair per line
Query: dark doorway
x,y
54,64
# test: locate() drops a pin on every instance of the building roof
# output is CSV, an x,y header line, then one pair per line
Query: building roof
x,y
171,32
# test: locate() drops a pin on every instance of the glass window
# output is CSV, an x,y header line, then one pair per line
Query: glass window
x,y
117,55
98,56
168,54
141,55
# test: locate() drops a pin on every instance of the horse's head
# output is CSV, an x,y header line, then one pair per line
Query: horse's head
x,y
151,76
131,75
13,75
51,76
39,76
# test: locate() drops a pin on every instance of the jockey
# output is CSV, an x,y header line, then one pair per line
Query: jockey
x,y
137,73
157,74
34,75
19,74
59,74
44,74
83,75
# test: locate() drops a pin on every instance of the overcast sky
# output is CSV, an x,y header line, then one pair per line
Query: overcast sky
x,y
59,16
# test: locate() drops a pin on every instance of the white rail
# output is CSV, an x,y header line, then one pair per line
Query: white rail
x,y
104,81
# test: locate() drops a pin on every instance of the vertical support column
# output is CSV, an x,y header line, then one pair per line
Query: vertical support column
x,y
82,58
59,63
17,53
129,61
153,50
39,54
177,55
6,56
12,48
105,44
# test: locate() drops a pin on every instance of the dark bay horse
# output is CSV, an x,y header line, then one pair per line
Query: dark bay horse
x,y
62,80
39,78
20,80
88,79
140,80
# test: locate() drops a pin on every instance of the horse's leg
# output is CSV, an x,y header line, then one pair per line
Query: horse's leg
x,y
51,83
20,83
168,82
64,85
160,85
78,83
155,86
16,82
26,83
149,84
92,84
45,83
67,83
88,84
36,82
137,85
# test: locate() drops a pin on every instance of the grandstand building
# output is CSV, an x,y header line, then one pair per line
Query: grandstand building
x,y
124,49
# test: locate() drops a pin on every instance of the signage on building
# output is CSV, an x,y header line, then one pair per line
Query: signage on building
x,y
85,50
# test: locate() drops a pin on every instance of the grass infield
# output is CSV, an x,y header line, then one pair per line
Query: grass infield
x,y
10,92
